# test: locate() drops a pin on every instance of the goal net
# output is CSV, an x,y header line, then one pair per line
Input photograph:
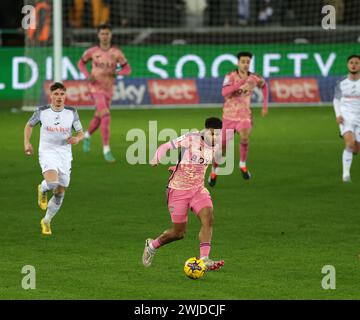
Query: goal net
x,y
180,50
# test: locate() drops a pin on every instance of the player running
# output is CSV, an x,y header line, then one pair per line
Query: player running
x,y
347,111
186,190
237,90
55,156
105,60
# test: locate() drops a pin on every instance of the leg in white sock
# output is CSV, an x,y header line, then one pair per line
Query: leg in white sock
x,y
347,156
53,206
44,186
106,149
346,161
47,186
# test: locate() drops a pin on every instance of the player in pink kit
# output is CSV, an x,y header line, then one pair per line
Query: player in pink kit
x,y
186,190
105,60
237,90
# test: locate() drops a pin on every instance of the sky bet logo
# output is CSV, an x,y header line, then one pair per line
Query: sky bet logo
x,y
297,90
133,93
78,94
175,91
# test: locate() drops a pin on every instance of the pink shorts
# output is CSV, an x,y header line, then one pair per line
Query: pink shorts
x,y
179,202
232,126
101,101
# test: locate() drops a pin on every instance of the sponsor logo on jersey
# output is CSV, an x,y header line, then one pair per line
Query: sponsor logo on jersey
x,y
58,129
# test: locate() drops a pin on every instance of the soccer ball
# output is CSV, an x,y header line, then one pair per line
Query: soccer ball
x,y
194,268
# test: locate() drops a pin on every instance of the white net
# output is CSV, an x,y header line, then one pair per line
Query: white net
x,y
179,50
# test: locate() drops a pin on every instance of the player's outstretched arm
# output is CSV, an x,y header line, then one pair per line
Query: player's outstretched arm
x,y
28,149
160,152
181,141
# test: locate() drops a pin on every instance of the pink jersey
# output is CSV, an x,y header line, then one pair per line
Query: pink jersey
x,y
193,161
103,68
237,102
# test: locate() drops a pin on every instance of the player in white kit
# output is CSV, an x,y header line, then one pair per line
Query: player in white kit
x,y
57,122
347,110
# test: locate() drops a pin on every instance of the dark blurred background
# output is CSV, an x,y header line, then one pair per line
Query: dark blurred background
x,y
186,14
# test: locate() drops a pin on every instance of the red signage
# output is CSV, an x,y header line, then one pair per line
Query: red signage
x,y
175,91
295,90
77,92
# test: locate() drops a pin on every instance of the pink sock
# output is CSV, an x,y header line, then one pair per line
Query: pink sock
x,y
205,249
244,147
156,243
105,129
94,124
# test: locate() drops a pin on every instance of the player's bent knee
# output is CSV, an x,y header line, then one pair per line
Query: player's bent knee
x,y
59,189
104,113
351,147
206,216
53,185
210,219
356,147
211,216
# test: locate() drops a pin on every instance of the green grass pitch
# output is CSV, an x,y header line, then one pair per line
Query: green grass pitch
x,y
275,232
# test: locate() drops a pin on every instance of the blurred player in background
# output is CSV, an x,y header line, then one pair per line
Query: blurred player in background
x,y
55,156
186,190
105,60
237,90
347,111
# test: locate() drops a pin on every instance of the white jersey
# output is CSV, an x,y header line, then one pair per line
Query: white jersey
x,y
347,92
56,128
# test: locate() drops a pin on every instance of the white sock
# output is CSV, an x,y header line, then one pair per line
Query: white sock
x,y
86,135
49,215
53,207
346,161
106,149
242,164
47,186
214,170
44,186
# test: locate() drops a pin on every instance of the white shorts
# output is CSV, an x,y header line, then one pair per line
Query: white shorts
x,y
350,125
61,164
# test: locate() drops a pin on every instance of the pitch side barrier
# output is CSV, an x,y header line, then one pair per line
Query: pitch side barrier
x,y
198,93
